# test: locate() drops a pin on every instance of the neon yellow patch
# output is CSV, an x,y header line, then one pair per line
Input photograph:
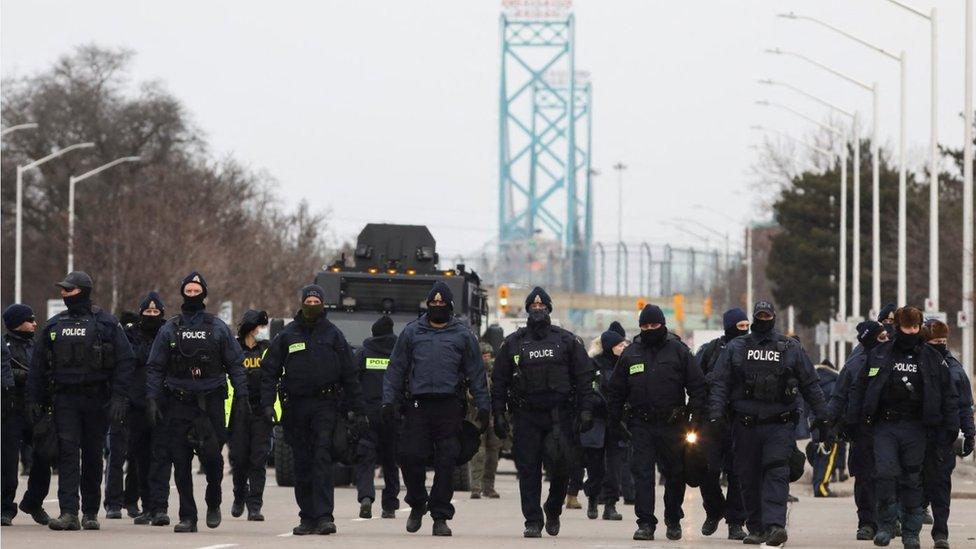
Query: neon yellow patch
x,y
377,363
516,359
52,336
873,372
295,347
636,368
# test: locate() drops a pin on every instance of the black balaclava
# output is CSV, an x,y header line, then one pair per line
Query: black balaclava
x,y
942,348
311,313
652,314
196,303
867,333
152,324
729,319
79,303
763,327
440,314
539,321
907,342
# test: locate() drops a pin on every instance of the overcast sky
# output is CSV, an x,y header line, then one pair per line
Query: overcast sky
x,y
388,110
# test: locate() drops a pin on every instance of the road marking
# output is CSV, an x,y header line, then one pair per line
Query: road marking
x,y
360,519
285,535
219,546
53,500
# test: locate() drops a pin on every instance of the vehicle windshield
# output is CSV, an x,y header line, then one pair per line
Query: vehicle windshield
x,y
357,326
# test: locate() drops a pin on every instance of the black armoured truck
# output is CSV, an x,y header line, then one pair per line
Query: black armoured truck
x,y
390,273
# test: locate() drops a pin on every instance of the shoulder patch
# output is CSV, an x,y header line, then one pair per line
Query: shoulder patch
x,y
873,372
636,368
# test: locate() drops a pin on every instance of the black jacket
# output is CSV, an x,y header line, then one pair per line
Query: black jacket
x,y
372,360
141,342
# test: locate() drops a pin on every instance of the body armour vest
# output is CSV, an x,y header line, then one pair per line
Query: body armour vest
x,y
252,367
542,366
194,353
77,346
311,362
903,390
766,376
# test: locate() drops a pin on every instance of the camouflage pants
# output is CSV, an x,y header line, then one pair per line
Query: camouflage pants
x,y
485,463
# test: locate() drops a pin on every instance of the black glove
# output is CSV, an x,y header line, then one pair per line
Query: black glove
x,y
118,410
620,431
154,414
484,419
825,431
967,446
269,413
719,427
501,426
388,413
586,421
361,424
35,412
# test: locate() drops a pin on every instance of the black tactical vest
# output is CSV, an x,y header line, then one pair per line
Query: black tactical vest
x,y
542,366
252,367
902,392
311,361
766,376
77,348
194,352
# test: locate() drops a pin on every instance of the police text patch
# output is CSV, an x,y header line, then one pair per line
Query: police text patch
x,y
873,372
762,354
636,368
377,363
295,347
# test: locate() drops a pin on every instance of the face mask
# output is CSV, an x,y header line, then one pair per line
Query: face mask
x,y
733,332
151,324
311,313
439,314
538,318
23,333
193,304
890,328
763,327
907,342
651,338
942,348
79,303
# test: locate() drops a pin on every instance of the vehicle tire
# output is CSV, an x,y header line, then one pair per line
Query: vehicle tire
x,y
284,459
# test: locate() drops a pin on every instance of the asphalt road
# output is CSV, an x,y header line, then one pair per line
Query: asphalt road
x,y
813,523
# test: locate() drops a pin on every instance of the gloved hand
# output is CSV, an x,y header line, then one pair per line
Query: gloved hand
x,y
586,421
154,414
484,419
719,427
361,424
269,413
35,412
388,413
620,430
968,444
501,426
118,410
825,431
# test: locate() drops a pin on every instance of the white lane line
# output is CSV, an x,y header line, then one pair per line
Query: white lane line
x,y
360,519
52,500
219,546
285,535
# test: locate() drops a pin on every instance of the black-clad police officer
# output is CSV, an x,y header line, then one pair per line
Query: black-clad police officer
x,y
82,365
544,376
870,334
19,321
250,431
940,457
759,376
191,358
433,358
147,448
904,393
652,378
379,443
735,323
309,364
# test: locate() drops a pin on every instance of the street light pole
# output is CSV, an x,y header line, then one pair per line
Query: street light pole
x,y
620,167
967,199
74,180
18,251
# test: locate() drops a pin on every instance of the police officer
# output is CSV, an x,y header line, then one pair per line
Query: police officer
x,y
191,358
20,324
719,453
825,453
870,334
308,363
939,458
652,378
760,375
903,392
82,364
250,431
379,443
544,376
484,464
147,448
433,358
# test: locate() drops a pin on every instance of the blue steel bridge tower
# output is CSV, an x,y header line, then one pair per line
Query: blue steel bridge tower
x,y
545,177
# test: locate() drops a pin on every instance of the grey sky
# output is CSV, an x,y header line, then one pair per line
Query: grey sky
x,y
387,110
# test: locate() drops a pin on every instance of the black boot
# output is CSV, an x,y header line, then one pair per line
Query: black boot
x,y
776,536
132,510
736,532
113,512
324,527
388,513
941,541
39,515
591,508
90,522
865,533
6,520
237,508
366,508
552,524
709,526
532,531
213,517
160,518
441,528
254,513
910,541
883,537
755,538
305,528
674,530
143,519
415,519
66,521
610,512
185,526
644,533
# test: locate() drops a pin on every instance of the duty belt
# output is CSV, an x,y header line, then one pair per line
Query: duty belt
x,y
183,395
327,392
94,388
669,415
895,415
749,420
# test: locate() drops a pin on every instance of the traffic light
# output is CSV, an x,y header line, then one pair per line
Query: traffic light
x,y
502,300
707,307
678,301
641,303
